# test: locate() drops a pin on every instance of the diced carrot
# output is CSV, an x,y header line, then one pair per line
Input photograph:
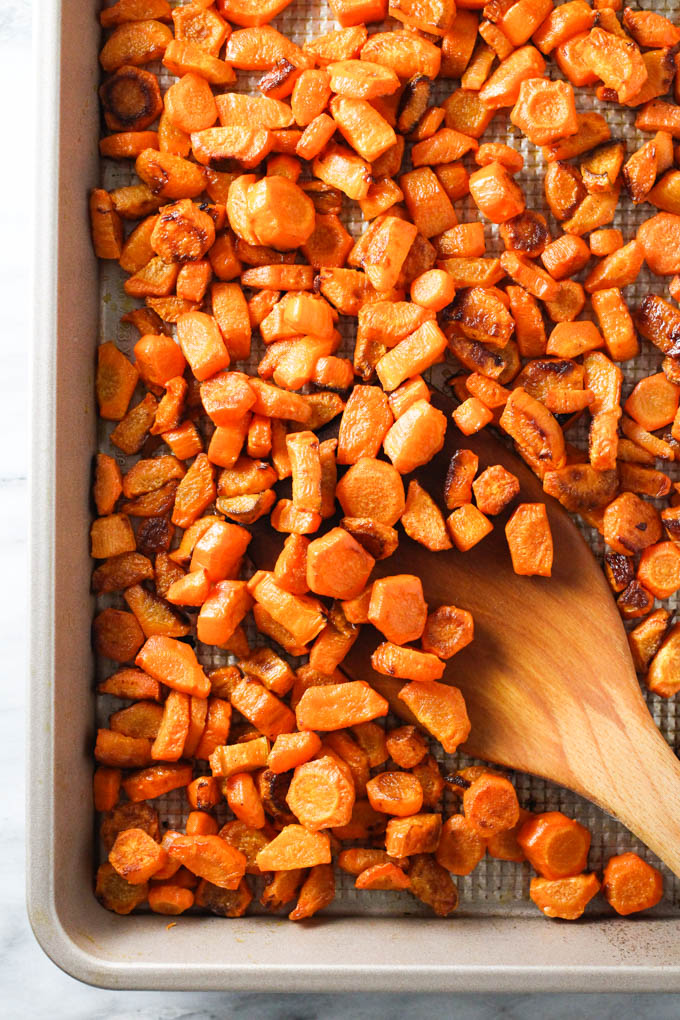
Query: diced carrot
x,y
228,760
337,565
337,706
616,61
195,492
365,423
653,402
374,489
202,344
495,193
174,664
200,823
604,242
106,787
461,847
395,793
416,834
562,24
659,569
222,611
502,88
467,526
565,256
292,749
262,708
416,436
530,540
321,795
555,846
471,416
571,339
545,110
566,898
136,856
630,884
115,382
295,847
156,780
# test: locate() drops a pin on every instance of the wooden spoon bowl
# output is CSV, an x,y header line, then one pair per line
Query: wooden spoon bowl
x,y
548,681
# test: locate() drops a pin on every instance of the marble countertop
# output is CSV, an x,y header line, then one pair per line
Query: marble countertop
x,y
31,986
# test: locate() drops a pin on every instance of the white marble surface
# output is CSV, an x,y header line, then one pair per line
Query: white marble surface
x,y
30,985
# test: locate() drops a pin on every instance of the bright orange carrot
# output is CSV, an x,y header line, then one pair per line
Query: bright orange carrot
x,y
555,846
631,884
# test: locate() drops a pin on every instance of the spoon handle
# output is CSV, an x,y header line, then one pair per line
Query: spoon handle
x,y
636,778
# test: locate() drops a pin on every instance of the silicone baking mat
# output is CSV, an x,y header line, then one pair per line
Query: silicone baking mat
x,y
495,887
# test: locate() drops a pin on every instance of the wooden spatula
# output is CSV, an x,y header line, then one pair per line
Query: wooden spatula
x,y
548,680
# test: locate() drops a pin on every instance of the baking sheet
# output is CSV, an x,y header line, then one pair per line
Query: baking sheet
x,y
497,888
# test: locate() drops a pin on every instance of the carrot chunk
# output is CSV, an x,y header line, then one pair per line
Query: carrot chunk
x,y
631,884
566,898
337,706
530,540
555,846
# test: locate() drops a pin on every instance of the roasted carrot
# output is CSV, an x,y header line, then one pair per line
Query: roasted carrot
x,y
321,795
566,898
336,706
555,846
630,884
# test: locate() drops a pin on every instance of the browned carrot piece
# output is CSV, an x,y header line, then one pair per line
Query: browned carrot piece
x,y
228,760
115,382
244,800
200,823
494,489
156,780
395,793
616,61
461,847
416,834
422,519
566,898
106,224
622,520
136,856
318,890
106,787
467,526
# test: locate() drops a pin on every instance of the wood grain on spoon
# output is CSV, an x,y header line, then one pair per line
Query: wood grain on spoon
x,y
548,680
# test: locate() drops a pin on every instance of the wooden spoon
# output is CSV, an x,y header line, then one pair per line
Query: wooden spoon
x,y
548,681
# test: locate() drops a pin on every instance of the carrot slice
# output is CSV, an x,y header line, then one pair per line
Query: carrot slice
x,y
631,884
